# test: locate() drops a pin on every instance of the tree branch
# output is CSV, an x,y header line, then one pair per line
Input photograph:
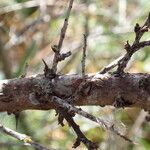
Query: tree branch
x,y
103,123
57,48
30,93
22,137
122,61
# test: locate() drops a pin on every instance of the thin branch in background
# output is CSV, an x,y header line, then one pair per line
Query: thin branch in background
x,y
17,38
62,36
122,61
22,137
85,36
84,55
122,6
111,65
43,8
27,4
23,5
18,6
65,25
135,130
103,123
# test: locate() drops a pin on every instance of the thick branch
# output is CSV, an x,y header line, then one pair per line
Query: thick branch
x,y
130,90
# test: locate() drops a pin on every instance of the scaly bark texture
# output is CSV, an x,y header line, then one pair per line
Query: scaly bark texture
x,y
129,90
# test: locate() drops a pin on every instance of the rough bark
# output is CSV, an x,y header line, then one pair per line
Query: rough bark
x,y
128,90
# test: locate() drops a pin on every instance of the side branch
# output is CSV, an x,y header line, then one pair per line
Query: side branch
x,y
122,61
104,123
58,47
22,137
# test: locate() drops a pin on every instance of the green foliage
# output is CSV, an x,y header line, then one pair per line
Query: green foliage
x,y
29,53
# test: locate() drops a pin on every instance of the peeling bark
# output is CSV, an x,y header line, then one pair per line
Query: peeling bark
x,y
129,90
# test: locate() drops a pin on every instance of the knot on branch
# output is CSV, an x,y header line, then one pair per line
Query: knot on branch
x,y
144,83
85,88
120,102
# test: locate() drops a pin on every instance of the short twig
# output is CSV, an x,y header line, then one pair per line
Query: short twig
x,y
58,47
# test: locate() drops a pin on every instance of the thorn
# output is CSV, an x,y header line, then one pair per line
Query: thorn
x,y
127,47
46,66
49,73
137,28
17,115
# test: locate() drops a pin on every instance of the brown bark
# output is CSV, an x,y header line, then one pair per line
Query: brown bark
x,y
130,90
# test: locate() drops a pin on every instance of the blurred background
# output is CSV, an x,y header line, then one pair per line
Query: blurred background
x,y
28,29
